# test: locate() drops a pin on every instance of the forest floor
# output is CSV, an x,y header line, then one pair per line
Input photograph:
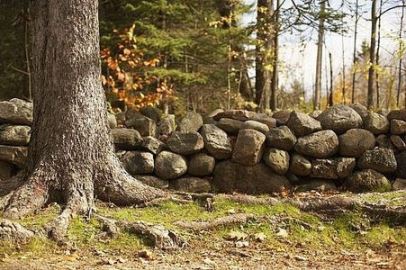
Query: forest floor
x,y
278,237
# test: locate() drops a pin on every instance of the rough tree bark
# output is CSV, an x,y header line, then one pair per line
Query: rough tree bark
x,y
319,59
71,157
371,71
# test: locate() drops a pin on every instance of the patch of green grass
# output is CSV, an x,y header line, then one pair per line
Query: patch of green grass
x,y
396,198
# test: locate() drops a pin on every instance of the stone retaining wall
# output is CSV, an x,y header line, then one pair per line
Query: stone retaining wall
x,y
346,147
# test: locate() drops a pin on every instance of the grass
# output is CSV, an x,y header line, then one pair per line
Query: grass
x,y
346,231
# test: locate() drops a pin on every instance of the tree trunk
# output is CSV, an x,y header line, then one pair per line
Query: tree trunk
x,y
331,94
274,82
399,86
354,56
263,50
378,47
319,59
371,72
71,157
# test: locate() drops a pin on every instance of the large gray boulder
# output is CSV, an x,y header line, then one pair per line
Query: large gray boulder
x,y
397,114
137,162
16,111
191,185
360,109
401,162
277,160
112,120
169,165
383,141
302,124
382,160
14,135
185,143
152,113
16,155
265,119
232,177
340,118
300,165
216,142
367,181
126,139
152,145
282,117
321,144
230,126
192,122
399,184
248,148
376,123
355,142
167,125
281,138
252,124
240,115
397,127
201,164
6,170
332,168
144,125
398,142
153,181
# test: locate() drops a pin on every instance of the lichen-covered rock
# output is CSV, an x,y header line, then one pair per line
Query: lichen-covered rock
x,y
399,184
355,142
169,165
376,123
281,138
201,164
302,124
300,166
379,159
126,139
367,181
340,118
332,168
277,160
144,125
137,162
319,185
192,122
282,117
153,181
191,184
185,143
360,109
397,114
152,145
398,142
111,119
232,177
240,115
397,127
16,155
248,148
251,124
230,126
401,162
321,144
16,111
15,135
216,141
167,125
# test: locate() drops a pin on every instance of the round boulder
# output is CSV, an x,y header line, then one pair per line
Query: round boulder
x,y
398,127
302,124
201,165
376,123
191,184
340,118
382,160
185,143
169,165
321,144
355,142
251,124
192,122
367,181
138,162
281,138
230,126
300,166
277,160
332,168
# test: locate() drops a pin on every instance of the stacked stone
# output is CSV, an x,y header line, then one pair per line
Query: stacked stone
x,y
15,129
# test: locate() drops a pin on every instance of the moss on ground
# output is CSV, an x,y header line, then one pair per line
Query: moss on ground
x,y
350,230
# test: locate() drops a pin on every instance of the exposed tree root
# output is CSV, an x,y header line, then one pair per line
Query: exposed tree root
x,y
13,231
157,235
222,221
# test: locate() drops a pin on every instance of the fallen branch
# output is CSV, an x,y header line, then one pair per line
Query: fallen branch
x,y
222,221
